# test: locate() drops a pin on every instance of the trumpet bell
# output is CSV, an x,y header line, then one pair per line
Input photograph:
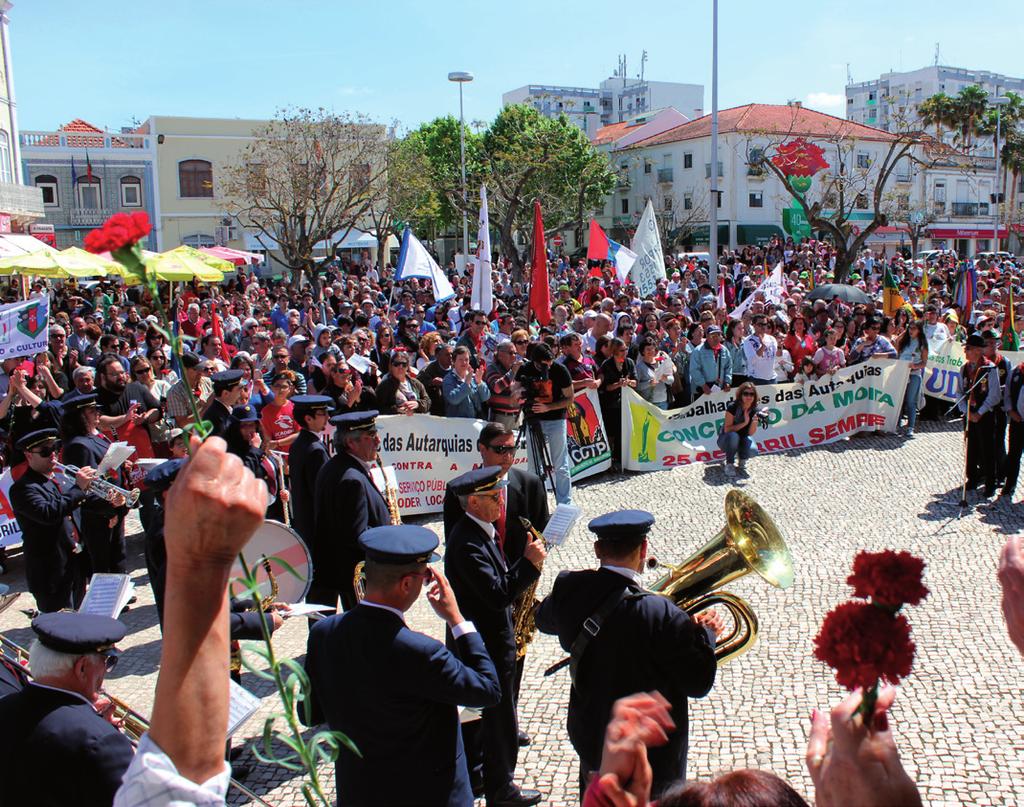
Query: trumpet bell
x,y
749,542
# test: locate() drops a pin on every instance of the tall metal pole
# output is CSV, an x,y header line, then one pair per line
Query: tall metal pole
x,y
995,235
462,150
713,234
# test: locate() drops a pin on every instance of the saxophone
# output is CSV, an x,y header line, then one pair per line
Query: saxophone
x,y
390,495
524,609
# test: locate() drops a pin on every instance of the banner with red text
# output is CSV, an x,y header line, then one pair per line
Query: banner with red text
x,y
942,375
10,532
427,452
865,397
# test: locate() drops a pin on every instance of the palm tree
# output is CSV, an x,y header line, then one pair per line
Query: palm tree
x,y
937,111
970,105
1012,154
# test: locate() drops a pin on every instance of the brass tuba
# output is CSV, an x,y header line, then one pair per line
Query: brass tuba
x,y
749,542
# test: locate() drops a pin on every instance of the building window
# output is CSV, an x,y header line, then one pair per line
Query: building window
x,y
6,174
195,179
48,185
718,197
707,169
755,199
687,201
863,161
624,206
667,205
89,193
198,240
131,192
940,192
647,167
861,202
687,160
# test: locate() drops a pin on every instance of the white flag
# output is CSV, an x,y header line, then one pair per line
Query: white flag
x,y
649,267
482,297
770,289
415,261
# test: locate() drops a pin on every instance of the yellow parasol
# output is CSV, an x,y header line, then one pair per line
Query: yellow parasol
x,y
71,262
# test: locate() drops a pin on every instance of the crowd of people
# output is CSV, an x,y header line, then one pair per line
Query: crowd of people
x,y
271,367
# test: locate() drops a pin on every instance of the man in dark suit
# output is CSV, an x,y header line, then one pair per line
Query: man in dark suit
x,y
524,496
159,480
306,456
227,394
395,692
54,563
347,503
642,642
55,748
486,585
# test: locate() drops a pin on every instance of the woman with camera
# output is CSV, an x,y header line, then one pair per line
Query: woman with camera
x,y
740,425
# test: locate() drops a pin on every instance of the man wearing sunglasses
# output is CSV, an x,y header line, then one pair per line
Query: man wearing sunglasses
x,y
61,718
54,562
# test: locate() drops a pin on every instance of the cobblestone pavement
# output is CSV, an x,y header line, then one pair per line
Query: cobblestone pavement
x,y
958,719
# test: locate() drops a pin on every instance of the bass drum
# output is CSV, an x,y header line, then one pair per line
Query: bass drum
x,y
271,541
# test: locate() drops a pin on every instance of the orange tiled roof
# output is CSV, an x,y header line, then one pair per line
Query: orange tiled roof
x,y
611,132
770,119
90,137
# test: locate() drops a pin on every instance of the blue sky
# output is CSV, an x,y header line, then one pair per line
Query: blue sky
x,y
390,60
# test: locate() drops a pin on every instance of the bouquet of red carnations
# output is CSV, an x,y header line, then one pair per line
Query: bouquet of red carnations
x,y
867,640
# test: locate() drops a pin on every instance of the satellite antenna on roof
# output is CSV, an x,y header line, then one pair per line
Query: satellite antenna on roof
x,y
849,75
936,54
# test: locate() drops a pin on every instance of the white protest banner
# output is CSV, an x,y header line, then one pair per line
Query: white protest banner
x,y
649,267
427,452
24,327
10,532
864,397
770,290
942,375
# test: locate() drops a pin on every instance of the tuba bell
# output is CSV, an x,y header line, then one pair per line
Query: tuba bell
x,y
749,542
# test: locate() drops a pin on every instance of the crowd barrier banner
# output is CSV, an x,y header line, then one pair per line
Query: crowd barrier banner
x,y
427,452
24,327
865,397
942,375
10,532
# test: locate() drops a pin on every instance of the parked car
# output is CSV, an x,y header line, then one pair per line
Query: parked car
x,y
933,255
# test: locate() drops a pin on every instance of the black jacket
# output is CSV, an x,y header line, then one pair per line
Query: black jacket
x,y
646,643
395,693
56,750
306,456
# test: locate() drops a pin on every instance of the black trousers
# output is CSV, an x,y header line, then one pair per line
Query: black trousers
x,y
106,544
492,742
63,589
981,466
1013,455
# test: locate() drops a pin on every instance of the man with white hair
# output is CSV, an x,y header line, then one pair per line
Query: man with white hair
x,y
602,324
57,723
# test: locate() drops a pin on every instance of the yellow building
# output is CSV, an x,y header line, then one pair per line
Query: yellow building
x,y
191,156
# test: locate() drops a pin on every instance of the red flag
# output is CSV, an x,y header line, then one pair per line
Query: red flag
x,y
540,288
597,246
88,167
218,331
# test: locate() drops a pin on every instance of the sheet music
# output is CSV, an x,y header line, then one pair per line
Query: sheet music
x,y
116,454
467,714
561,523
108,594
304,609
379,478
241,706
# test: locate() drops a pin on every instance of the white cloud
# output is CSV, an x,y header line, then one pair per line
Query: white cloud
x,y
826,101
349,90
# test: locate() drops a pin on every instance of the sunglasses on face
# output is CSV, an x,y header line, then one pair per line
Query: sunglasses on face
x,y
399,364
110,662
48,450
502,449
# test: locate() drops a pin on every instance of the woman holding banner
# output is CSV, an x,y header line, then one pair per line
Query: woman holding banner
x,y
913,347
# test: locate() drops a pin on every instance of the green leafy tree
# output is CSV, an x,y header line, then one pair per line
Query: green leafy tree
x,y
969,108
938,110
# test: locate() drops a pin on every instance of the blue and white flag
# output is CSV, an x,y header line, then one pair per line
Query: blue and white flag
x,y
482,298
415,261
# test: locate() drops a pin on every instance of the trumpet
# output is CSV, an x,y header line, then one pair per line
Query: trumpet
x,y
100,486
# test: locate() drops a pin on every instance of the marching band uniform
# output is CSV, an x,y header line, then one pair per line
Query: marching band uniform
x,y
306,456
1013,403
999,413
102,524
643,642
159,480
55,749
44,508
980,400
255,459
216,411
12,679
347,503
486,585
394,692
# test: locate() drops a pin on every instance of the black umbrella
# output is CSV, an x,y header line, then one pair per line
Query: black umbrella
x,y
848,294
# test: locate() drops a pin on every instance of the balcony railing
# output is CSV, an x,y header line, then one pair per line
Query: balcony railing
x,y
664,175
21,201
88,217
970,209
622,181
82,140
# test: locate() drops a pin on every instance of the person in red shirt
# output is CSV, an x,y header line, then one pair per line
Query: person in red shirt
x,y
593,293
798,341
277,419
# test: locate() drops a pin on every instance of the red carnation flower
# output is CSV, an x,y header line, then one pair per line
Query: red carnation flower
x,y
892,579
798,158
120,231
865,644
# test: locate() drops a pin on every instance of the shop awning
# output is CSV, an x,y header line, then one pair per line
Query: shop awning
x,y
757,235
18,244
356,239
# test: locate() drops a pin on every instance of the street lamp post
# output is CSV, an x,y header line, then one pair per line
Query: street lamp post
x,y
461,77
998,102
